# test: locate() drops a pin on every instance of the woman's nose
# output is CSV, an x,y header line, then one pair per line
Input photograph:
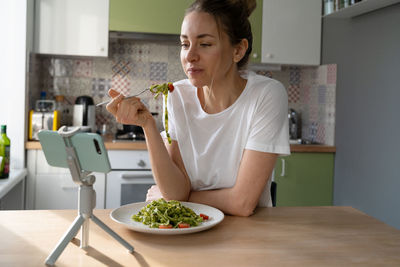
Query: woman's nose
x,y
192,54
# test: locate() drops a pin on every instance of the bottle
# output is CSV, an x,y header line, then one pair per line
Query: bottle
x,y
4,153
63,109
336,5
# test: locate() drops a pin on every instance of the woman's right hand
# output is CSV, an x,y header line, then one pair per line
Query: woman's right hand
x,y
128,111
153,193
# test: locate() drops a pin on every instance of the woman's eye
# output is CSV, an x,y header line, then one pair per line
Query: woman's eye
x,y
184,45
205,44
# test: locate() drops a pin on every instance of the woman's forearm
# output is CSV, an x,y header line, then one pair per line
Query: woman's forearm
x,y
171,180
223,199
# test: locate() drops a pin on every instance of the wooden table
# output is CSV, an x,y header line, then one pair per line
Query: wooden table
x,y
282,236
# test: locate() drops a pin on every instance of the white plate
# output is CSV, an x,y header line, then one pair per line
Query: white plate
x,y
124,214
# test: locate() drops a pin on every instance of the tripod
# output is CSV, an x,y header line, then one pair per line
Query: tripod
x,y
86,202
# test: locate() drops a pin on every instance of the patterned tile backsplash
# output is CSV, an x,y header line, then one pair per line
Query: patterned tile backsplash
x,y
133,65
312,93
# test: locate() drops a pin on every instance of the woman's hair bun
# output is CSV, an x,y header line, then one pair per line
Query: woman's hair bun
x,y
248,5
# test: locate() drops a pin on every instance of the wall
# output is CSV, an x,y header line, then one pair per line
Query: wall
x,y
311,93
136,64
366,50
131,66
14,17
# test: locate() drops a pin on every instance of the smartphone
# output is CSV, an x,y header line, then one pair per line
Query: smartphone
x,y
89,148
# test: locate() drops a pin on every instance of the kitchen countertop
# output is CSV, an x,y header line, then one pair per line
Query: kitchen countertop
x,y
141,145
280,236
14,178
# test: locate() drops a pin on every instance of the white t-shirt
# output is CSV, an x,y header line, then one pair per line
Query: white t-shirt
x,y
212,145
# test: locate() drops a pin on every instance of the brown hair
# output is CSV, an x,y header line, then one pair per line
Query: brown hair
x,y
233,17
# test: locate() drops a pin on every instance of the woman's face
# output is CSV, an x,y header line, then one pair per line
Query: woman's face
x,y
206,53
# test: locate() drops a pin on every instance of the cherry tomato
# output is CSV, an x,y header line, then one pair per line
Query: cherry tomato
x,y
205,217
170,87
183,225
165,226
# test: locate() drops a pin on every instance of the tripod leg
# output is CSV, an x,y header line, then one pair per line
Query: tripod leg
x,y
85,234
112,233
72,231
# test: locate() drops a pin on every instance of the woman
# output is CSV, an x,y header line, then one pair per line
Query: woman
x,y
227,126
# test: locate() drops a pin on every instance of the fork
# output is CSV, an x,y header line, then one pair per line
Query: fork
x,y
127,97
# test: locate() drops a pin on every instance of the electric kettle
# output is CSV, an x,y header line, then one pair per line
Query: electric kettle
x,y
84,113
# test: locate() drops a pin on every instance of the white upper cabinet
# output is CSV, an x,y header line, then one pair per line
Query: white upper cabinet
x,y
291,32
71,27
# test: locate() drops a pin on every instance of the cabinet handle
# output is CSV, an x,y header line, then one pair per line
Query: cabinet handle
x,y
283,168
269,55
135,176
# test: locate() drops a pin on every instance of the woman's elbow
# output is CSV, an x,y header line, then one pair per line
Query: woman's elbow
x,y
243,208
244,213
180,195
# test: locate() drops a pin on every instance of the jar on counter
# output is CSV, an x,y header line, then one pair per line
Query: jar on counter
x,y
329,6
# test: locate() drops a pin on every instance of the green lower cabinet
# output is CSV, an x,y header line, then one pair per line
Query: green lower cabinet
x,y
305,179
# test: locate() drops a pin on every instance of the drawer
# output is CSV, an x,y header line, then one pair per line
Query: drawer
x,y
129,159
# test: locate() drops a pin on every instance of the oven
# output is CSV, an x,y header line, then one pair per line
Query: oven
x,y
129,179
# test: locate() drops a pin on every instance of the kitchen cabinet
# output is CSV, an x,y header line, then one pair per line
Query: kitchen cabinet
x,y
304,179
360,8
71,27
52,188
256,28
14,199
156,16
291,32
12,190
166,18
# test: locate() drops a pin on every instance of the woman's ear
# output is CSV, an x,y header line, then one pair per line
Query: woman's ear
x,y
240,50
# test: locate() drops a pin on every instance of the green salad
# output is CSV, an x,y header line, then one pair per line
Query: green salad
x,y
168,214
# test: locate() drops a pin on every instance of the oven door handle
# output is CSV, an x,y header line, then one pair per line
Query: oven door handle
x,y
131,175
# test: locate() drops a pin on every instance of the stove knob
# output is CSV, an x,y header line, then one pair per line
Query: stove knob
x,y
141,163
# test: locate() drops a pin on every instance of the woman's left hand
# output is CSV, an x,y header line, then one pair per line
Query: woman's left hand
x,y
153,193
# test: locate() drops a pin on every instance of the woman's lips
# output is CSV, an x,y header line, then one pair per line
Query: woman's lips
x,y
194,71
